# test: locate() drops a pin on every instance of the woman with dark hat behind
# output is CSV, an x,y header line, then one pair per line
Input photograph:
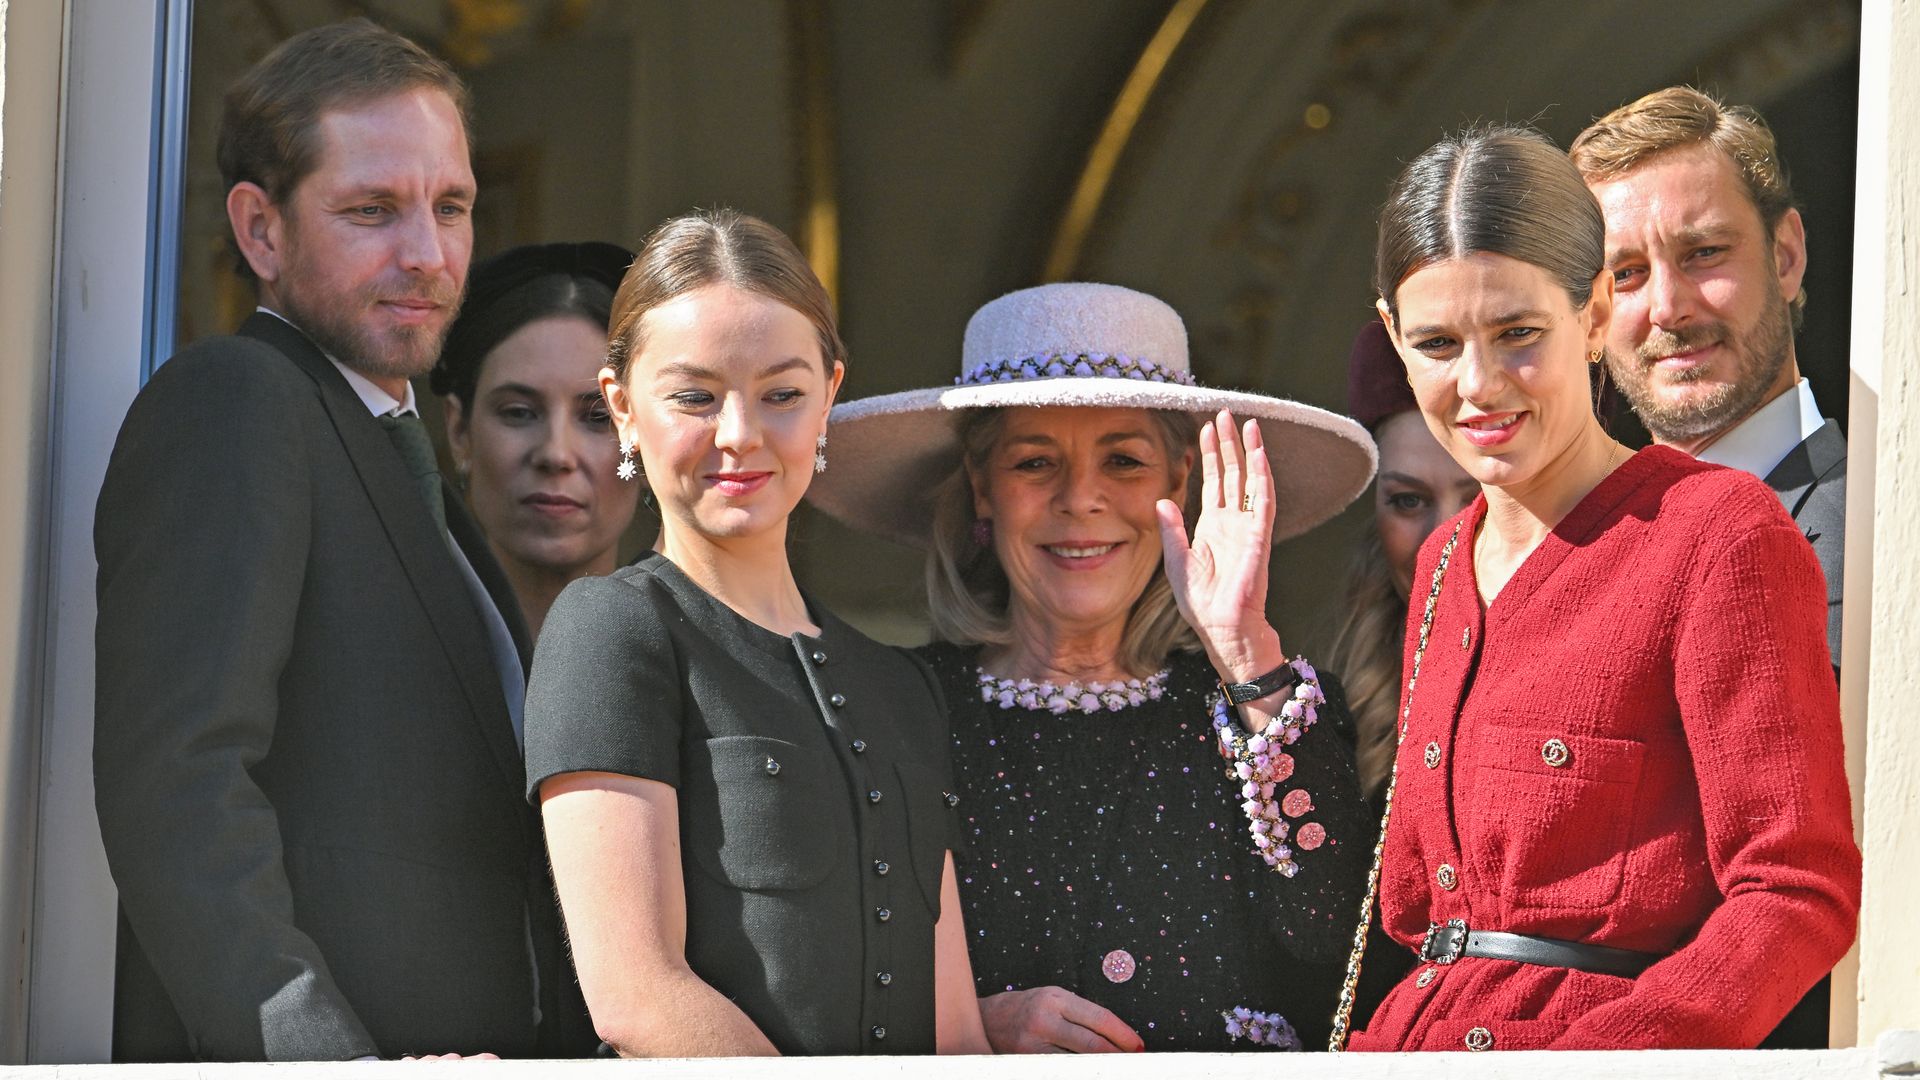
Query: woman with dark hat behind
x,y
532,444
1148,865
1417,488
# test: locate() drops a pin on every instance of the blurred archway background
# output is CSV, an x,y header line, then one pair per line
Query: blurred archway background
x,y
1226,155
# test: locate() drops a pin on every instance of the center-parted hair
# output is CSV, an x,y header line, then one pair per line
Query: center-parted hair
x,y
718,247
1491,190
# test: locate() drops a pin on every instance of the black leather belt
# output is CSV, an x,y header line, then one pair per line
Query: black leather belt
x,y
1451,940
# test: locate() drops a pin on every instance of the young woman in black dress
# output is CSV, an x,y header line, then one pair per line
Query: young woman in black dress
x,y
1126,886
748,804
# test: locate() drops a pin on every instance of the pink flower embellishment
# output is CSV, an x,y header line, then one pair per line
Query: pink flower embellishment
x,y
1296,803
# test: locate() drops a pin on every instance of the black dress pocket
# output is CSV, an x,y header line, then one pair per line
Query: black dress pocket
x,y
751,809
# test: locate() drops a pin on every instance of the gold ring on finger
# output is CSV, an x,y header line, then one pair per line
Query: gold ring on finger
x,y
1246,504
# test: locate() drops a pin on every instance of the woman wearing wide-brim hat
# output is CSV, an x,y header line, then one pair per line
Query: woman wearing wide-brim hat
x,y
1151,864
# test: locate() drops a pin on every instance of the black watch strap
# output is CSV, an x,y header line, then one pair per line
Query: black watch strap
x,y
1280,678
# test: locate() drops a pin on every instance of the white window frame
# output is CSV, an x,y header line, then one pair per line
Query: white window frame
x,y
122,134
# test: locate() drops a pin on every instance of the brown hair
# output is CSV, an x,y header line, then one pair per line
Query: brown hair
x,y
268,130
709,247
1366,651
968,592
269,126
1494,190
1680,117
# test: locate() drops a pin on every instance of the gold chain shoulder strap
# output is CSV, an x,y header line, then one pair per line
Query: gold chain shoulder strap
x,y
1344,1013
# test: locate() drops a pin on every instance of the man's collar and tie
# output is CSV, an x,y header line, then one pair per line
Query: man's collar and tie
x,y
401,421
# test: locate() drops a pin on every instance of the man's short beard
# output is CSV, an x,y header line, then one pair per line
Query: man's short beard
x,y
405,353
1758,358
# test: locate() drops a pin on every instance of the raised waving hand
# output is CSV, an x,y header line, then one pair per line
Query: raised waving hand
x,y
1219,577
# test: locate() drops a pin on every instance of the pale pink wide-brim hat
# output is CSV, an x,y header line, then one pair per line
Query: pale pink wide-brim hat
x,y
1073,344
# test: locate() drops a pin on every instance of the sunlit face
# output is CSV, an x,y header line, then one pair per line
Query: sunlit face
x,y
538,450
1071,492
374,243
1419,487
1702,331
725,400
1496,353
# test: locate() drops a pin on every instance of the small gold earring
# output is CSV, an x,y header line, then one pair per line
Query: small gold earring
x,y
1594,356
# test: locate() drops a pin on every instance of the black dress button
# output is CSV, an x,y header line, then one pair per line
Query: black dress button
x,y
819,658
879,1033
884,978
882,914
773,767
873,796
837,700
859,746
880,867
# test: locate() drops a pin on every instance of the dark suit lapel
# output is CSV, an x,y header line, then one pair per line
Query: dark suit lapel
x,y
466,532
421,549
1807,466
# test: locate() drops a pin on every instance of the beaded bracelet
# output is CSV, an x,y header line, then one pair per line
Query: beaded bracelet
x,y
1261,766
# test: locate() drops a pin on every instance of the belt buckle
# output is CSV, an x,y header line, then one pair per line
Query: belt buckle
x,y
1444,942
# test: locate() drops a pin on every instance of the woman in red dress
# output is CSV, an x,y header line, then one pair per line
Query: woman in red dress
x,y
1619,817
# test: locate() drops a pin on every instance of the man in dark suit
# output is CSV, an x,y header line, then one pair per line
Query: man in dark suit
x,y
310,669
1707,253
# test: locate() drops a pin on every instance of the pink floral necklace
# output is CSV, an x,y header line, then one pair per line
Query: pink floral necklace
x,y
1090,697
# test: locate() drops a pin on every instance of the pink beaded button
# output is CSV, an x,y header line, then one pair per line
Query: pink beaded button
x,y
1296,803
1282,767
1310,836
1118,965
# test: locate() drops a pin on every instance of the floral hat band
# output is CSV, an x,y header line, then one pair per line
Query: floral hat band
x,y
1073,365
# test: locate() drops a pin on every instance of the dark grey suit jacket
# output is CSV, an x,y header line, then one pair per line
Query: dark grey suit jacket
x,y
1812,482
307,779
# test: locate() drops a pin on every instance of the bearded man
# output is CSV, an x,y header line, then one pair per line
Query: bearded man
x,y
1707,253
310,670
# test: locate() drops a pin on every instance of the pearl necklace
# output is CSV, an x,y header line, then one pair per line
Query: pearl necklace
x,y
1092,697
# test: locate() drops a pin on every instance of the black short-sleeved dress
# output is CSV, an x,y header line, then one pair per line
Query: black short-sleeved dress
x,y
1108,853
814,794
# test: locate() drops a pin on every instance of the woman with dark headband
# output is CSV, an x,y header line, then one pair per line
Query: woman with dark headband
x,y
532,445
1618,817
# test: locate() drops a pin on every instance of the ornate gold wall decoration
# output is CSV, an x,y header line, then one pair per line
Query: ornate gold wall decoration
x,y
1083,208
818,213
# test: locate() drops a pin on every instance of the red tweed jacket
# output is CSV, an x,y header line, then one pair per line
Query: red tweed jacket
x,y
1637,744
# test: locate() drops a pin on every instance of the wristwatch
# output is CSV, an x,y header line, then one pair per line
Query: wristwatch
x,y
1280,678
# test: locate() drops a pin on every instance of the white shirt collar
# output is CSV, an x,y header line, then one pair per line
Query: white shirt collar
x,y
377,401
1763,440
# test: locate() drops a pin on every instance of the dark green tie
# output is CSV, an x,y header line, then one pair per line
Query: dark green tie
x,y
410,437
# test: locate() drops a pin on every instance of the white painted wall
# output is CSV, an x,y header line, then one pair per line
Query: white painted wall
x,y
1885,533
30,33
